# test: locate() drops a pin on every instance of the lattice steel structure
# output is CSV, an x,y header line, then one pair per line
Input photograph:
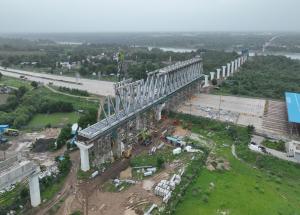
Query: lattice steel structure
x,y
132,98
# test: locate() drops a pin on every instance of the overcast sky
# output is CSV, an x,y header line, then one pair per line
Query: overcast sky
x,y
148,15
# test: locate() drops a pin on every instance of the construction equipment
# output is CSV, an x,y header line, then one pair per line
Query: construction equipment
x,y
11,132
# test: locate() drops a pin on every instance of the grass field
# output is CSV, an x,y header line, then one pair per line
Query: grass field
x,y
55,119
14,82
3,98
270,189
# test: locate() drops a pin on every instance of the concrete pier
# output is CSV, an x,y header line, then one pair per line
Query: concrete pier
x,y
212,75
206,84
232,67
228,69
224,72
34,189
84,156
218,73
158,110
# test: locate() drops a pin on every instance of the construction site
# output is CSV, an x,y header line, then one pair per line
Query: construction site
x,y
135,160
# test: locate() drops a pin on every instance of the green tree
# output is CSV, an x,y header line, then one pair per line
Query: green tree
x,y
34,84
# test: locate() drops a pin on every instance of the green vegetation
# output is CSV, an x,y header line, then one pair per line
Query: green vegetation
x,y
76,213
74,91
14,82
63,137
272,144
52,120
26,102
270,188
215,59
265,76
3,98
13,199
51,185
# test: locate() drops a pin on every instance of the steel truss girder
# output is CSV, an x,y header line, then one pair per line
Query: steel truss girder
x,y
135,97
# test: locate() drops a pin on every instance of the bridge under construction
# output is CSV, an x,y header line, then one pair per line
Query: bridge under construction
x,y
136,105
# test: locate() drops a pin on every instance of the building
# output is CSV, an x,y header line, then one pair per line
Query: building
x,y
3,128
293,149
292,101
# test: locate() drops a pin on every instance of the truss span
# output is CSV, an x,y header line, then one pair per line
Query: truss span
x,y
136,97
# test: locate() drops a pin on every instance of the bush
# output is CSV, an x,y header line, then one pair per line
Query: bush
x,y
64,136
160,162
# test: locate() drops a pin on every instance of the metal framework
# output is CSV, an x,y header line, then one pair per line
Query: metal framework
x,y
132,98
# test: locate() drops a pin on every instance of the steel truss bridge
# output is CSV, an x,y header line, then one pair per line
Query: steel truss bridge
x,y
133,98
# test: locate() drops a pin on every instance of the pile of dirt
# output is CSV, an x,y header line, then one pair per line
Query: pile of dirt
x,y
179,131
126,174
217,163
43,144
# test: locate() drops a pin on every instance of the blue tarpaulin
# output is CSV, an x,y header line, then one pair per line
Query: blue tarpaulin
x,y
293,106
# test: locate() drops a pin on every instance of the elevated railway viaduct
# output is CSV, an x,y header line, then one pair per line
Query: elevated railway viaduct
x,y
138,104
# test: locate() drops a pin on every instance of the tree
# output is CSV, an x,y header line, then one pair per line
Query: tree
x,y
34,84
214,82
160,162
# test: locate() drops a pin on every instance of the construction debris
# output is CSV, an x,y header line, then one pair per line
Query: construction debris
x,y
164,188
151,209
177,151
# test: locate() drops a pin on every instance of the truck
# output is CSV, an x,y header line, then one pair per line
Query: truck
x,y
11,132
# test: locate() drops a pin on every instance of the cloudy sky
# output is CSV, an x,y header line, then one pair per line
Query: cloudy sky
x,y
148,15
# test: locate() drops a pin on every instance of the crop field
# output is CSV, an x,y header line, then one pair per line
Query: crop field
x,y
54,119
256,185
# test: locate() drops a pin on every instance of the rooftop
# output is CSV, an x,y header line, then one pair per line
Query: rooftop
x,y
293,106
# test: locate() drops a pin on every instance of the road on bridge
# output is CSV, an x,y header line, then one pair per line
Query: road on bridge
x,y
103,88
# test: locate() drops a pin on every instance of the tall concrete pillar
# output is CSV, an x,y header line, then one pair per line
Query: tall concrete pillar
x,y
236,64
224,71
34,189
84,155
239,62
228,69
206,84
158,110
232,67
218,73
212,75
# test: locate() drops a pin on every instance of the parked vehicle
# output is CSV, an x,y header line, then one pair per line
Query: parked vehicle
x,y
11,132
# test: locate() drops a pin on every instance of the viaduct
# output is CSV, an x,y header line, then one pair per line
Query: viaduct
x,y
137,104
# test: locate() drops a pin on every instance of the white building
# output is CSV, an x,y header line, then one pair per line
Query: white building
x,y
293,149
